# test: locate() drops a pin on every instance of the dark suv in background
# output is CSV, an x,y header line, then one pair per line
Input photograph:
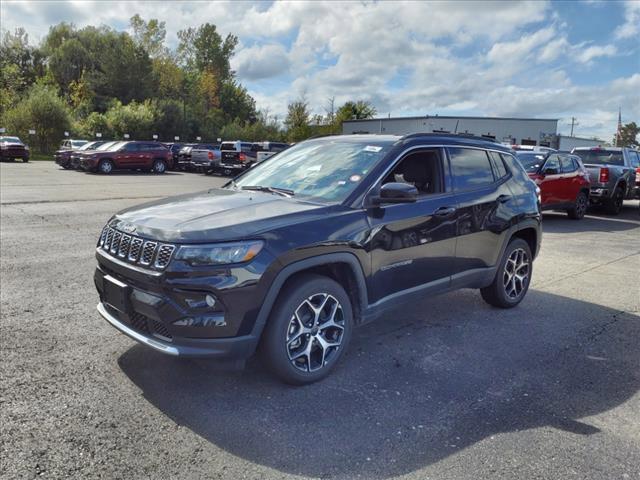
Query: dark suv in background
x,y
329,234
134,155
12,148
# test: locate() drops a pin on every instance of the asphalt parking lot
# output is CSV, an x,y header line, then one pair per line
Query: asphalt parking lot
x,y
447,389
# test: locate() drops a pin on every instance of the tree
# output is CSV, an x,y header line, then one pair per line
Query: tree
x,y
43,111
203,48
149,35
628,135
297,121
359,110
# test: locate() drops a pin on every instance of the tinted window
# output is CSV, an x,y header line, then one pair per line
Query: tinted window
x,y
131,147
530,161
471,168
635,159
228,146
498,165
567,165
599,156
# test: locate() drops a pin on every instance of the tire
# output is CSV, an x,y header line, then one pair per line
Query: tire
x,y
159,167
507,290
105,166
25,160
613,206
579,208
304,348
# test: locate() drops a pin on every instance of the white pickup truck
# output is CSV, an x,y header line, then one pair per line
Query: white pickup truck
x,y
265,150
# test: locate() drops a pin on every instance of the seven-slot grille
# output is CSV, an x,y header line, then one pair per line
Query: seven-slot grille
x,y
136,250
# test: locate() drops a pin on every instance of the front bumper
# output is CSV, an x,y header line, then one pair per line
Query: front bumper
x,y
227,348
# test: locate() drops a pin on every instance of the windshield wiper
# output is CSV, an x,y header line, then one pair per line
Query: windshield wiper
x,y
285,192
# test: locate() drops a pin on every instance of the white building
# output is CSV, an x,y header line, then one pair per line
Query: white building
x,y
522,131
568,143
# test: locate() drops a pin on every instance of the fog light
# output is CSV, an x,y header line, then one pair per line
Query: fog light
x,y
210,300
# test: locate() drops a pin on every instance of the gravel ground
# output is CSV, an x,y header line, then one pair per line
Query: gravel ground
x,y
447,389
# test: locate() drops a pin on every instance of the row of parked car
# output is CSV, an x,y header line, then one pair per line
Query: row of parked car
x,y
228,158
571,181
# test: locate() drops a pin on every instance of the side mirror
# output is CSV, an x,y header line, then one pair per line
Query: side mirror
x,y
550,171
395,192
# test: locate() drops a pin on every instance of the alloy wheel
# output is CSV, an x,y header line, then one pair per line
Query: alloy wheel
x,y
315,332
516,273
106,167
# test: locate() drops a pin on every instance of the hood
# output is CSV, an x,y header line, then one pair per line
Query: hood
x,y
215,215
13,144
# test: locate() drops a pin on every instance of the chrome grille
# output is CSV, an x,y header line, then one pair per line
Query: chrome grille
x,y
125,243
115,243
148,250
134,252
164,255
134,249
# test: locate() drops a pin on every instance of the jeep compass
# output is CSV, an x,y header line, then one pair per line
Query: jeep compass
x,y
289,257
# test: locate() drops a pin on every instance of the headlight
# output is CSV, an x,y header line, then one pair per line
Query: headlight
x,y
219,254
26,147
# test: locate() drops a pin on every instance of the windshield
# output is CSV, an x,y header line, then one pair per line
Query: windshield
x,y
88,146
10,139
78,143
531,161
600,157
107,146
228,146
325,170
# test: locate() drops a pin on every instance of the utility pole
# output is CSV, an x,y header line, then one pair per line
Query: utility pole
x,y
573,123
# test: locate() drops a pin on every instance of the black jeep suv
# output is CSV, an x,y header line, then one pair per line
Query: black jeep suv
x,y
293,254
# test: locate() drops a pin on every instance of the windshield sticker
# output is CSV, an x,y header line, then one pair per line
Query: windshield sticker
x,y
355,178
372,148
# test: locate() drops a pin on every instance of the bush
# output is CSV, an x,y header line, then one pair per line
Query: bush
x,y
43,111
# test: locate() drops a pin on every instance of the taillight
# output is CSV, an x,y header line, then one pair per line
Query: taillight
x,y
210,155
604,175
638,175
242,157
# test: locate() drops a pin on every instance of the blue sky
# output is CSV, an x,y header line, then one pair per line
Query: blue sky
x,y
530,59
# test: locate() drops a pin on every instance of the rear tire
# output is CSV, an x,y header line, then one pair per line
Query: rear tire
x,y
308,330
159,167
513,277
105,167
579,208
613,206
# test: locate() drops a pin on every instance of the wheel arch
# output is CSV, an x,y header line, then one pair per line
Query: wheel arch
x,y
530,235
343,267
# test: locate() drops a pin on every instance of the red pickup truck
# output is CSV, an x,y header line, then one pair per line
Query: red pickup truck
x,y
134,155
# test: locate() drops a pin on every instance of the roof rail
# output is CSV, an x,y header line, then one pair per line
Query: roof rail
x,y
443,134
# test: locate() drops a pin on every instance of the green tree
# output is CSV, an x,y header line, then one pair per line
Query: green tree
x,y
149,35
628,135
43,111
297,120
203,48
358,110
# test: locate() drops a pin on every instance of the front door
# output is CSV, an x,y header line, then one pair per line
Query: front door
x,y
550,181
413,245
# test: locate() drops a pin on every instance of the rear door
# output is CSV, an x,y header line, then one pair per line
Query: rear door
x,y
484,210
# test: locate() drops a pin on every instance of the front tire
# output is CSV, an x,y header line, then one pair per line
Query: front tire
x,y
308,330
105,167
159,167
579,208
513,277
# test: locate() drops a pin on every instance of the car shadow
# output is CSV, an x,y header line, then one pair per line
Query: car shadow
x,y
595,220
412,389
127,173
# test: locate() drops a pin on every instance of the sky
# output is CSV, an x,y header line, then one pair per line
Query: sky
x,y
519,59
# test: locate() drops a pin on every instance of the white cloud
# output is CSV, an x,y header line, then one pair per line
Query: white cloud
x,y
261,61
631,26
589,53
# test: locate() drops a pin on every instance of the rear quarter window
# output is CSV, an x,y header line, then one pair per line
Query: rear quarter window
x,y
470,167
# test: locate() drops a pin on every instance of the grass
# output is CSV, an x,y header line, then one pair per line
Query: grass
x,y
40,156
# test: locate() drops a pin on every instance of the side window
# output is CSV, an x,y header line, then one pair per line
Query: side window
x,y
567,164
552,165
131,147
635,158
499,167
422,169
471,168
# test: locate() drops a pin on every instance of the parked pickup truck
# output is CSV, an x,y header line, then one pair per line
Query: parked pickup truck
x,y
236,157
265,150
205,158
612,171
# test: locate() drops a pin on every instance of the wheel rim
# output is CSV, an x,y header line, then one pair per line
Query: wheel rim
x,y
315,332
106,167
516,273
159,167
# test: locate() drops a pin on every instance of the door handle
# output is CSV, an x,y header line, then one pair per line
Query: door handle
x,y
503,198
444,211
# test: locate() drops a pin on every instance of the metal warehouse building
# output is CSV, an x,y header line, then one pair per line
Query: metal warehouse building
x,y
523,131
